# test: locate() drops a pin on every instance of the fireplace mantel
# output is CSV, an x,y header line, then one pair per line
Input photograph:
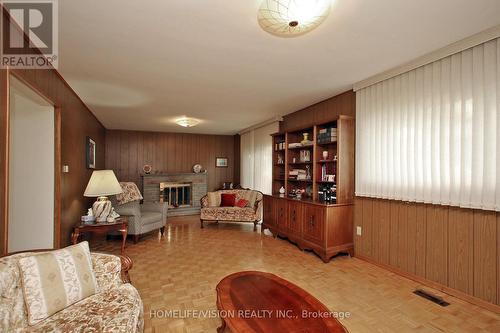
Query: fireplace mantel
x,y
150,175
151,189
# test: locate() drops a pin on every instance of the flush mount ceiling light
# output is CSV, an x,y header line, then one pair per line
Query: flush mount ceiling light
x,y
187,122
291,18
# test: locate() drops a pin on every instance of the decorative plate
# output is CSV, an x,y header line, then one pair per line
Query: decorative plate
x,y
147,169
197,168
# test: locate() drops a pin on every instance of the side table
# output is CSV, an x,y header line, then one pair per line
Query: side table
x,y
120,224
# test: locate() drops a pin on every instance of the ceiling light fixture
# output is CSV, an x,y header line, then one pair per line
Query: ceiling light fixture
x,y
291,18
187,122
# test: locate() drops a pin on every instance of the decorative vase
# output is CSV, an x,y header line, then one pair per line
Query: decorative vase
x,y
325,154
282,191
101,209
306,140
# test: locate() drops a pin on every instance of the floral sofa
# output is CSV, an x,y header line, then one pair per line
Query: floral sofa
x,y
117,307
211,210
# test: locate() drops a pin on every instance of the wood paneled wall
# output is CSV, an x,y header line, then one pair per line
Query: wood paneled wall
x,y
342,104
77,122
128,151
452,247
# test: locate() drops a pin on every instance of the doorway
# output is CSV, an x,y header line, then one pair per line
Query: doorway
x,y
31,190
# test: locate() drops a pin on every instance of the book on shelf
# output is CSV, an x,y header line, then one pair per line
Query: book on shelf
x,y
327,135
297,174
279,145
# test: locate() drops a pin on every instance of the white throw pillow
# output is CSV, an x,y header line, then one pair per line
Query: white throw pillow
x,y
214,199
54,280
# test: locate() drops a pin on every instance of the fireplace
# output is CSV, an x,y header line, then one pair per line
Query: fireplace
x,y
183,189
176,194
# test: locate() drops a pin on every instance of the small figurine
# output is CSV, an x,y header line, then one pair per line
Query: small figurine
x,y
308,172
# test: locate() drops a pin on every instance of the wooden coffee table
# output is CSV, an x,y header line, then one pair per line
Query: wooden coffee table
x,y
120,225
262,302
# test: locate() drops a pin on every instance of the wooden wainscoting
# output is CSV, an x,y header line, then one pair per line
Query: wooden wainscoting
x,y
449,248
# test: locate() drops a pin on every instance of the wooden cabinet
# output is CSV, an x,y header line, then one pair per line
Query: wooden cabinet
x,y
324,229
313,224
269,208
325,165
281,214
295,217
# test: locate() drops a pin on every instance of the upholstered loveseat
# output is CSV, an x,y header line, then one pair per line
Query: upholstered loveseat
x,y
116,307
212,211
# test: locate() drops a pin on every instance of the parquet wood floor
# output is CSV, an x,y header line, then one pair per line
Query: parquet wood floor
x,y
181,270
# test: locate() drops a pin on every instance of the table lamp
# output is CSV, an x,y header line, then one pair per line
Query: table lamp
x,y
101,184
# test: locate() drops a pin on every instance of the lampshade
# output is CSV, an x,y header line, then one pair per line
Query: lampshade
x,y
102,183
291,18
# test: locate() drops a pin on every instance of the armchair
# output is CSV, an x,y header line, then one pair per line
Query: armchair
x,y
143,218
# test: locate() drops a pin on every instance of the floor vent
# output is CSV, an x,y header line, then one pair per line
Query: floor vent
x,y
433,298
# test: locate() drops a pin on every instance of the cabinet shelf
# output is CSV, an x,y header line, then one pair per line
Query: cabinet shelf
x,y
299,163
327,143
300,180
301,148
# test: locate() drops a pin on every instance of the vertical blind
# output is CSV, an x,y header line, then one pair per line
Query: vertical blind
x,y
256,158
432,134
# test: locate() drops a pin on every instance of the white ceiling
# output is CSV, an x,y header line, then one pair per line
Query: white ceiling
x,y
140,64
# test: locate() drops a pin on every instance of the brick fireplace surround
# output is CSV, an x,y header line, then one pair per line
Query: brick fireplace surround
x,y
151,189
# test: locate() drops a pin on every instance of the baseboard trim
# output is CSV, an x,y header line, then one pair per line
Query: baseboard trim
x,y
447,290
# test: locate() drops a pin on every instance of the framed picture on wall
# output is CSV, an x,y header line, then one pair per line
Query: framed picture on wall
x,y
221,162
90,152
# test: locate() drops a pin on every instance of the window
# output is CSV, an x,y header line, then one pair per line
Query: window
x,y
256,158
432,134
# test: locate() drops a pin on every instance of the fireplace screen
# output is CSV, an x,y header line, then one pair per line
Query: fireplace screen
x,y
176,194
